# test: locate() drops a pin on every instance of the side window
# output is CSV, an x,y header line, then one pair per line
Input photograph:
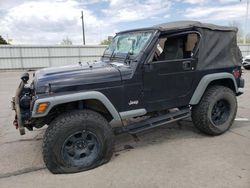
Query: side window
x,y
176,47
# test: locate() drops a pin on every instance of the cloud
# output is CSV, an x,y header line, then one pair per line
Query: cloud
x,y
222,13
134,10
10,4
229,1
195,1
49,22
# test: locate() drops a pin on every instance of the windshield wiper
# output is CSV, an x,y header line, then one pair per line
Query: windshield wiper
x,y
112,55
107,55
127,58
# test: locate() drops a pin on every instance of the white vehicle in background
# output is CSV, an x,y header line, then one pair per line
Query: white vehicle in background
x,y
246,62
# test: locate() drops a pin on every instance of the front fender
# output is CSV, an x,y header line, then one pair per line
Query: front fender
x,y
62,99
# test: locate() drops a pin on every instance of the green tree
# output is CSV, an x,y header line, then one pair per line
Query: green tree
x,y
66,42
2,40
240,33
107,41
248,38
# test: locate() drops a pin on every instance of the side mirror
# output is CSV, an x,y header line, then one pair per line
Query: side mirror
x,y
25,77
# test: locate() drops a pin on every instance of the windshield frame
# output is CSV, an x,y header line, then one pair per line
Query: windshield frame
x,y
124,55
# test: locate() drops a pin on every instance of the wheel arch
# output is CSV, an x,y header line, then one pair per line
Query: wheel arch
x,y
224,79
89,97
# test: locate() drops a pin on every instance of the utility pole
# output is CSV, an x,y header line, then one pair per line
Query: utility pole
x,y
83,31
246,22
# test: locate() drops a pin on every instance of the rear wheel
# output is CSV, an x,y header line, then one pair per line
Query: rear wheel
x,y
77,141
216,111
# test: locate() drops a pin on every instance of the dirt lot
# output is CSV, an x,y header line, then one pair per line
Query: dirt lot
x,y
169,156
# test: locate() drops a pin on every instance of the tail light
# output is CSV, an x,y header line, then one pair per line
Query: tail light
x,y
237,73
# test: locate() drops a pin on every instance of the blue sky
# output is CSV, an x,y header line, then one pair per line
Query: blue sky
x,y
48,22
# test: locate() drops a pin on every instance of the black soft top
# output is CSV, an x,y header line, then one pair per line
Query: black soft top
x,y
184,25
217,45
179,25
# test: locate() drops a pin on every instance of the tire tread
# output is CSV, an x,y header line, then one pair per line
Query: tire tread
x,y
60,124
199,112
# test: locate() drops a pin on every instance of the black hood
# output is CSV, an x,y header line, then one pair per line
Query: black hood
x,y
78,77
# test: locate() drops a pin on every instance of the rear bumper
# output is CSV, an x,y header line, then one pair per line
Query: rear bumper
x,y
241,83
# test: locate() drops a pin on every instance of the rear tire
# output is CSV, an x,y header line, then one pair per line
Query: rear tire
x,y
77,141
216,111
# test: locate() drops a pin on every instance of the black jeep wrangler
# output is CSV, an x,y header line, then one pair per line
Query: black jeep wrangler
x,y
146,78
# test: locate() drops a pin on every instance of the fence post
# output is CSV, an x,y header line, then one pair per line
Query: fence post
x,y
21,57
49,56
79,53
11,60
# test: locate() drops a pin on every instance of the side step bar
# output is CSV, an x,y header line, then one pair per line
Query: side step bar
x,y
153,122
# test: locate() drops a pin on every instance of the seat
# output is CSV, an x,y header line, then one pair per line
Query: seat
x,y
190,45
173,49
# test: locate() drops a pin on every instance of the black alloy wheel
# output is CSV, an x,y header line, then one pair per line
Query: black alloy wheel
x,y
80,148
216,110
220,112
77,141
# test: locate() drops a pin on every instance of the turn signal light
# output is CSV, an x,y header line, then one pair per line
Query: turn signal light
x,y
42,107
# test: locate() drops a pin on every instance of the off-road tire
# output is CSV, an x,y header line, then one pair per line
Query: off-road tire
x,y
72,122
202,113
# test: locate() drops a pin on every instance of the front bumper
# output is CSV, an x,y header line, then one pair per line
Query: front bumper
x,y
241,83
18,122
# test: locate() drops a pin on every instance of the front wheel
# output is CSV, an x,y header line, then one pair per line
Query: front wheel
x,y
216,111
77,141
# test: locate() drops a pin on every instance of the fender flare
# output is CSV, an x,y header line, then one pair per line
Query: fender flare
x,y
56,100
205,81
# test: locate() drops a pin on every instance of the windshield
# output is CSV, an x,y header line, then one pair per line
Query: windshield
x,y
131,43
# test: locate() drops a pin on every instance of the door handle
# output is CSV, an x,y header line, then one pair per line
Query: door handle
x,y
186,65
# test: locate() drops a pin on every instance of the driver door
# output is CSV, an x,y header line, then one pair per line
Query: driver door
x,y
169,74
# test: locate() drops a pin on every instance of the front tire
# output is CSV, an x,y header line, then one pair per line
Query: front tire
x,y
216,111
77,141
